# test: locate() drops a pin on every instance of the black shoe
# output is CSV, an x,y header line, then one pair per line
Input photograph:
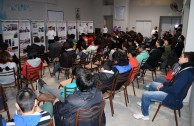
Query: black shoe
x,y
41,83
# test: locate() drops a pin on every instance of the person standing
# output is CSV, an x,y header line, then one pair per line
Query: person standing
x,y
50,34
104,31
154,30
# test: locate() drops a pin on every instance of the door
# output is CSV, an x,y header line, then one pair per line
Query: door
x,y
168,23
108,21
144,27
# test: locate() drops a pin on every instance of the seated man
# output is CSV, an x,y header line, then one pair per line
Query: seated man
x,y
28,112
106,76
86,97
170,93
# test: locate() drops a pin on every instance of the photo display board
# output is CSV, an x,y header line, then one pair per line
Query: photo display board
x,y
71,27
24,36
10,36
38,32
62,31
85,27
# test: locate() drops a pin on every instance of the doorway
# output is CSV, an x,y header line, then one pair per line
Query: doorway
x,y
108,21
168,23
144,27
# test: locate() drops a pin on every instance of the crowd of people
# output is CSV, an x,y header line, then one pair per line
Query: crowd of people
x,y
120,52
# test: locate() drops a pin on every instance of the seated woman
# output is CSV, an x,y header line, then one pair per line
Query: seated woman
x,y
59,93
6,65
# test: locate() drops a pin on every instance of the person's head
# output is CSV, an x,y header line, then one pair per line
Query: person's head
x,y
84,80
131,53
181,38
4,46
4,56
26,100
56,38
141,48
66,45
83,46
155,27
107,65
50,28
159,43
187,57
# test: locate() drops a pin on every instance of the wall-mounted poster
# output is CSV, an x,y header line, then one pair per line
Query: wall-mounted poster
x,y
71,27
62,31
25,36
10,36
90,27
38,32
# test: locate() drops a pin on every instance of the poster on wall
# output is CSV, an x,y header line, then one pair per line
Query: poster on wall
x,y
25,36
10,36
62,31
90,27
38,32
71,27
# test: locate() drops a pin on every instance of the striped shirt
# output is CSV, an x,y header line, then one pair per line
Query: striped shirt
x,y
44,120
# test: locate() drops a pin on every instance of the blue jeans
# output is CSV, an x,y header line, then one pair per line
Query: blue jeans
x,y
152,95
57,66
161,79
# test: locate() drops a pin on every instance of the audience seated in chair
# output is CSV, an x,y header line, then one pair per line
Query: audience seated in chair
x,y
170,93
55,48
28,112
6,65
121,64
65,59
143,54
59,93
86,97
106,75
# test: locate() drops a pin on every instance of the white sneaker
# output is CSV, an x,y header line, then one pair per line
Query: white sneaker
x,y
139,104
141,116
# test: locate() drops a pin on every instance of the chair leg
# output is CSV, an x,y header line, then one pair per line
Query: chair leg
x,y
179,111
32,86
111,105
49,71
8,115
137,82
157,111
134,88
153,75
125,95
175,116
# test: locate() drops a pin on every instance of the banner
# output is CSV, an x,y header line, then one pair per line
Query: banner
x,y
25,36
62,31
85,27
38,33
71,27
10,36
90,27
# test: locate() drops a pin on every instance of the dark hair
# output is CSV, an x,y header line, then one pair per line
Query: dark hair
x,y
76,69
66,45
142,47
117,55
4,56
26,99
182,38
56,38
84,80
133,52
160,42
4,46
83,45
107,65
36,39
189,55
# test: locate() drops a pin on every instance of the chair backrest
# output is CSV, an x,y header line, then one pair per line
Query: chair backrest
x,y
34,73
143,62
69,90
10,73
122,78
133,73
90,115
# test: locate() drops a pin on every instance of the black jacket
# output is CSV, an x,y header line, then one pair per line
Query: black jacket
x,y
66,58
65,113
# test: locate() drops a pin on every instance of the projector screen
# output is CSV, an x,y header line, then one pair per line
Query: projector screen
x,y
55,15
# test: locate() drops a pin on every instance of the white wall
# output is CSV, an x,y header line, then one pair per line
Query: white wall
x,y
37,10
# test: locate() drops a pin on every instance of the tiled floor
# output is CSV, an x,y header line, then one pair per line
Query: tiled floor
x,y
123,114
